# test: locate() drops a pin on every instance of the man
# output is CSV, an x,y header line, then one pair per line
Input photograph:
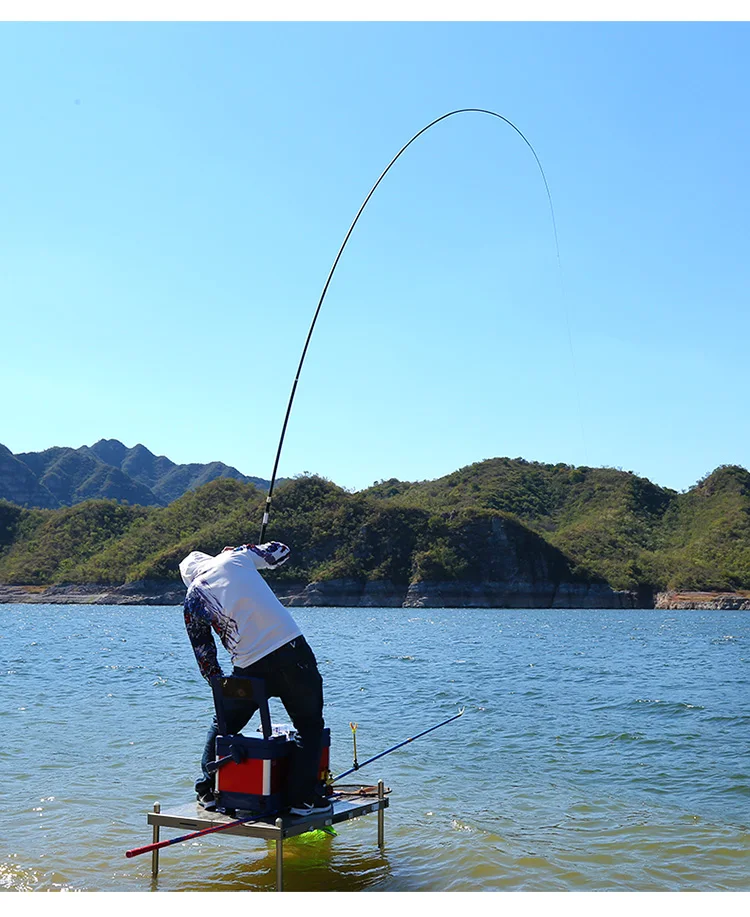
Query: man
x,y
226,593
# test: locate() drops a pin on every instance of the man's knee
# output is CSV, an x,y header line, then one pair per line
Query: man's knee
x,y
309,727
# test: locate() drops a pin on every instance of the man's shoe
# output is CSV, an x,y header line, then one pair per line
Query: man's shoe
x,y
318,805
207,800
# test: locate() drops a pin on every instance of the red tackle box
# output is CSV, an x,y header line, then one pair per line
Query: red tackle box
x,y
259,783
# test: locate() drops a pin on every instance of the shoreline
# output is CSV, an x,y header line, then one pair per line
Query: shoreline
x,y
705,601
385,594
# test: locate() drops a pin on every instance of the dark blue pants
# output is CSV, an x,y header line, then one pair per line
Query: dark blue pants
x,y
291,674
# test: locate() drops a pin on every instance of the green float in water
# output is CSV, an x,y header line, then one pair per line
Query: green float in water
x,y
318,834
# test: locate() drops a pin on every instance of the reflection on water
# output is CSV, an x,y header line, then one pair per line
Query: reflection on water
x,y
600,750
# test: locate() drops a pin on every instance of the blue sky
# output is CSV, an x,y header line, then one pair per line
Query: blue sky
x,y
175,194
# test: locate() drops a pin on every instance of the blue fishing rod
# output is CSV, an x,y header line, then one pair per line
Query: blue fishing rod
x,y
450,114
220,762
395,747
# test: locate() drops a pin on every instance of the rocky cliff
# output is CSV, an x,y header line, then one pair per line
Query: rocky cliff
x,y
345,594
511,594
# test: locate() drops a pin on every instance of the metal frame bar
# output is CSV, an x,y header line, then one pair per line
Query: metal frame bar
x,y
155,854
280,856
381,816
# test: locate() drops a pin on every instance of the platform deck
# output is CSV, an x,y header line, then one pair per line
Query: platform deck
x,y
192,817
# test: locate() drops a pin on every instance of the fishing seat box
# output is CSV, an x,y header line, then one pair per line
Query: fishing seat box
x,y
259,783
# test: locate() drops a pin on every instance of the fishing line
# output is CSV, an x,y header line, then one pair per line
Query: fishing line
x,y
459,111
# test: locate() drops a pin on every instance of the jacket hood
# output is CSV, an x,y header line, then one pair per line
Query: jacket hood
x,y
193,565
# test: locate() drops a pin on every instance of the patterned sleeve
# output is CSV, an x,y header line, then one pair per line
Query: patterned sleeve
x,y
271,554
198,624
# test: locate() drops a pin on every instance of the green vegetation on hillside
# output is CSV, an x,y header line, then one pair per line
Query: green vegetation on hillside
x,y
50,544
487,522
606,521
705,542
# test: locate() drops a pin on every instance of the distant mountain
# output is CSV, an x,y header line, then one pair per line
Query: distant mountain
x,y
63,476
20,485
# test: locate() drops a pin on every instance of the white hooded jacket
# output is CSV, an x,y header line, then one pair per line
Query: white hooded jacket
x,y
227,594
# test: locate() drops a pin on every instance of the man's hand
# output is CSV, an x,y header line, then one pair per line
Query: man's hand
x,y
237,751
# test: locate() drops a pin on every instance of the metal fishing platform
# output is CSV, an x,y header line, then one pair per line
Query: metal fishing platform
x,y
351,801
254,787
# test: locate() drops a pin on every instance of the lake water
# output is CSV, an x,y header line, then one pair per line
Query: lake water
x,y
600,750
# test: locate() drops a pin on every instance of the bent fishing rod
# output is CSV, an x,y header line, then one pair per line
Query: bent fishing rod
x,y
148,848
458,111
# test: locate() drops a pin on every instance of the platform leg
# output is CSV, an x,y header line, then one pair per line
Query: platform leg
x,y
381,816
155,853
279,857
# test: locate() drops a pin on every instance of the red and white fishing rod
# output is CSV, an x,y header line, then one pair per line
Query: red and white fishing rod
x,y
149,848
